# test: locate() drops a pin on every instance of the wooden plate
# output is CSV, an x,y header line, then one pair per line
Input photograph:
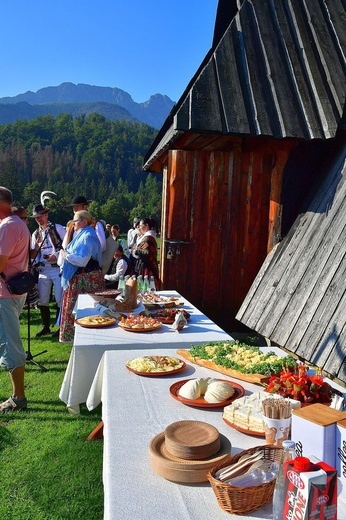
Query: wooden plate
x,y
169,320
243,430
107,293
162,305
185,471
192,440
158,374
201,402
148,329
109,323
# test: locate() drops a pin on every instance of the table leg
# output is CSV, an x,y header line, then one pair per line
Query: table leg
x,y
97,433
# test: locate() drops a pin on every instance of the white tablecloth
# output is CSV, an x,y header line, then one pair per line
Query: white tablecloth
x,y
90,344
134,410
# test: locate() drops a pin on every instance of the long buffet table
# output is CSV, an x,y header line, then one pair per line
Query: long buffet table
x,y
134,410
90,344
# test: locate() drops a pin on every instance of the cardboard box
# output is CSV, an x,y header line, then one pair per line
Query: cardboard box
x,y
310,495
341,453
314,431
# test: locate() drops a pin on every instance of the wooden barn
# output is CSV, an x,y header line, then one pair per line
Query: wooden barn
x,y
250,157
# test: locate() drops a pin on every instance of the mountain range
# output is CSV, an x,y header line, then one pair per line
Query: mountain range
x,y
76,99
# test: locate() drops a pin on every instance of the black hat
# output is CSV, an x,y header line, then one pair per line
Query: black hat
x,y
79,199
38,211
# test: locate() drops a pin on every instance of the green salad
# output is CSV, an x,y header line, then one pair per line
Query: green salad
x,y
242,357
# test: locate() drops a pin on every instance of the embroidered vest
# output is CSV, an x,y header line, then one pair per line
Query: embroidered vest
x,y
53,235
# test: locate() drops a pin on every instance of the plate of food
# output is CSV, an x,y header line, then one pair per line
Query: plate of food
x,y
152,300
139,323
167,316
239,360
244,430
155,365
107,293
206,392
95,321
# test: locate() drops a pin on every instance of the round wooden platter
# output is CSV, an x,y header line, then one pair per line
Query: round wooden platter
x,y
107,293
143,329
109,323
184,471
192,440
169,319
200,402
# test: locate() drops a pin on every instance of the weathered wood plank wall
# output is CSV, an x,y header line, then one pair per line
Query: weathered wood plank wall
x,y
225,205
302,283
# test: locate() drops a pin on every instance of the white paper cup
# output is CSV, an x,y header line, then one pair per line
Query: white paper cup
x,y
276,430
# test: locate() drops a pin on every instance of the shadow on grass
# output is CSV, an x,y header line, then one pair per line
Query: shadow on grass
x,y
6,438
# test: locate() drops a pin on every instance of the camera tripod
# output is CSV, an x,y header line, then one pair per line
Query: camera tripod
x,y
29,356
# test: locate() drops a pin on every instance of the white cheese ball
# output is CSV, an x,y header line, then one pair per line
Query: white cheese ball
x,y
218,391
190,389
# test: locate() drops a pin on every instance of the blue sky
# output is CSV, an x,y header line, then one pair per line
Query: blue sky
x,y
141,46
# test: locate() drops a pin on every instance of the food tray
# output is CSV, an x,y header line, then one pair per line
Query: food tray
x,y
250,378
201,402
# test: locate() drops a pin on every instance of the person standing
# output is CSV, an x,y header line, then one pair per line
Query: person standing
x,y
80,270
14,259
132,237
146,251
115,231
46,242
132,233
80,203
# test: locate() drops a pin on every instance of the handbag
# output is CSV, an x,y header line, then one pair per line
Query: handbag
x,y
20,283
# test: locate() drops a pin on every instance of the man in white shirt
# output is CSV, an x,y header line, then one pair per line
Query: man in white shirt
x,y
46,244
120,267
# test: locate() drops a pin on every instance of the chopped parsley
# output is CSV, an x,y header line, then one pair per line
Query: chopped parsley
x,y
242,357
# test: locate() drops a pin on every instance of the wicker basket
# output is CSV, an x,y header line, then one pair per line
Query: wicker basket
x,y
238,500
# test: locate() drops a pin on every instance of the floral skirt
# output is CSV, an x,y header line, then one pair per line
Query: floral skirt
x,y
80,284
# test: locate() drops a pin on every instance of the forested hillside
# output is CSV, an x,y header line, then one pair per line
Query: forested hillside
x,y
87,155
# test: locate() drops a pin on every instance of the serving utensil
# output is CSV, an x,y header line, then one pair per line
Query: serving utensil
x,y
240,467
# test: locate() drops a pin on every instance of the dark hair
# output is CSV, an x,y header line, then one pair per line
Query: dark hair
x,y
18,210
120,248
151,223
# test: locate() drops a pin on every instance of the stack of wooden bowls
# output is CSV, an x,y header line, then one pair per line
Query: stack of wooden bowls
x,y
187,450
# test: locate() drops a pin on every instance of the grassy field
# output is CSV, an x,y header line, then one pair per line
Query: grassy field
x,y
48,468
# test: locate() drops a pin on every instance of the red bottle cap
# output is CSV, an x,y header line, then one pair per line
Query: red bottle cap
x,y
302,464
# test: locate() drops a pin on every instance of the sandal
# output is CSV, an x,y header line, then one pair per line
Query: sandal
x,y
13,404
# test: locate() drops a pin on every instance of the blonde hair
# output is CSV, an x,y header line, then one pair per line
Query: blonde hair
x,y
83,215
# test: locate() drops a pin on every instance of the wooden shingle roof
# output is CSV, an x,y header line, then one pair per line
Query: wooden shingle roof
x,y
278,70
298,298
